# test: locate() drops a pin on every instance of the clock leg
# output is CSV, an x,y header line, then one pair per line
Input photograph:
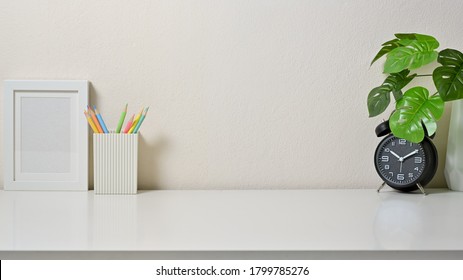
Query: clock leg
x,y
421,188
380,187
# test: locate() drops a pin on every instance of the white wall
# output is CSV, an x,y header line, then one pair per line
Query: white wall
x,y
243,94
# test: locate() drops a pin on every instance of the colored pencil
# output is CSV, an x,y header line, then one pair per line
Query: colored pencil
x,y
90,122
100,119
136,121
142,118
121,119
95,120
129,124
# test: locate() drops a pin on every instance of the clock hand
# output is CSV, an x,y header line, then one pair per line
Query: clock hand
x,y
410,154
394,154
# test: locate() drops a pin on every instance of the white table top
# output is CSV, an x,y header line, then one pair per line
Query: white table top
x,y
235,220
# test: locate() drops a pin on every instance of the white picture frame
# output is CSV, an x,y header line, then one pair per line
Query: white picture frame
x,y
45,135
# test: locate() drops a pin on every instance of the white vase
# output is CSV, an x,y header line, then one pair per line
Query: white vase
x,y
454,161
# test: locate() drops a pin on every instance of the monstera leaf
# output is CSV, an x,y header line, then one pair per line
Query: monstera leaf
x,y
379,97
413,53
387,47
392,44
415,109
411,36
448,78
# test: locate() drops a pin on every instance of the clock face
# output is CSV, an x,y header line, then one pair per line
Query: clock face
x,y
399,162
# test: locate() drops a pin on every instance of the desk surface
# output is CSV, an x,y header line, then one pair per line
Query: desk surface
x,y
271,220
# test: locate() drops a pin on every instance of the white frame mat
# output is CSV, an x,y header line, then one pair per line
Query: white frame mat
x,y
45,137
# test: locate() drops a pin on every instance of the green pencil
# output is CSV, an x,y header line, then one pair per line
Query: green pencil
x,y
142,118
121,120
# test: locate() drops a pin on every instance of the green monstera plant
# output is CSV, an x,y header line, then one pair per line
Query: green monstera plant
x,y
416,110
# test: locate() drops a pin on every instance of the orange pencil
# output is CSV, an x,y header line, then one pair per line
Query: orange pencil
x,y
129,124
90,122
95,120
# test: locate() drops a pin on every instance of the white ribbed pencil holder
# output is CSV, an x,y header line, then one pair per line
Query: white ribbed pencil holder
x,y
115,167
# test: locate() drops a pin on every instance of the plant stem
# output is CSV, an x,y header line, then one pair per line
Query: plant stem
x,y
424,75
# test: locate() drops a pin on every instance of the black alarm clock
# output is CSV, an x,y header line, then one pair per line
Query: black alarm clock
x,y
403,165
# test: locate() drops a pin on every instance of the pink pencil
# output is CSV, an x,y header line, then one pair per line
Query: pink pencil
x,y
129,124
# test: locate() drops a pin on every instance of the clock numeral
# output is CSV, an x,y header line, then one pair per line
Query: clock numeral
x,y
410,175
392,174
402,142
400,177
418,159
416,168
385,158
393,144
386,167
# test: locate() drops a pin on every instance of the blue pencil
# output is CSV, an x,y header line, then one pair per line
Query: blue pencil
x,y
100,120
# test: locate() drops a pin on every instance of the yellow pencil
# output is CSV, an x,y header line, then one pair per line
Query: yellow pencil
x,y
134,124
90,122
